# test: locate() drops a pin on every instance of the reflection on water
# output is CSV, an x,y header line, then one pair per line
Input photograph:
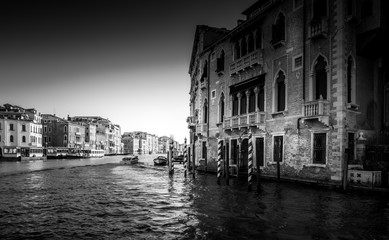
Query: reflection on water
x,y
78,199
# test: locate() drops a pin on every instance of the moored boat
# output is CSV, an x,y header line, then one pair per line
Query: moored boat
x,y
130,160
160,161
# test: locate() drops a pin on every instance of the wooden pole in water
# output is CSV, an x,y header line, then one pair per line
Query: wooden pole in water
x,y
219,160
194,159
185,158
250,163
171,167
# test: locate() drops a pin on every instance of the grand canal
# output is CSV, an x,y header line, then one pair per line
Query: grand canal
x,y
102,199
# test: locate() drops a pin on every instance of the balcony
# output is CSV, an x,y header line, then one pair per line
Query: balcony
x,y
246,61
318,109
256,119
191,120
318,28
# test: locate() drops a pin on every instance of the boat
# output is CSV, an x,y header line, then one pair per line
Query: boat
x,y
130,160
160,161
93,153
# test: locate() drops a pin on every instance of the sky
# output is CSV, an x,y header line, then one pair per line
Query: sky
x,y
125,62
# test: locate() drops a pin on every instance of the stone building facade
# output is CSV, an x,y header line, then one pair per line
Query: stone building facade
x,y
307,78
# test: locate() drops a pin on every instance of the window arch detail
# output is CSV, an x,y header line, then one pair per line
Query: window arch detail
x,y
319,79
280,86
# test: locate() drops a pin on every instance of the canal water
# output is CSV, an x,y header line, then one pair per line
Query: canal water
x,y
102,199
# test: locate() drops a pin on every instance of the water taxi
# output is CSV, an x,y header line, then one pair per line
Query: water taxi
x,y
130,160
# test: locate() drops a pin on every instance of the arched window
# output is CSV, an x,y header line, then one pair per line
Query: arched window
x,y
258,39
24,139
220,62
65,128
11,138
278,30
243,104
205,111
250,42
221,108
251,102
367,9
235,103
237,50
205,69
280,91
320,78
244,46
65,138
261,98
319,9
350,82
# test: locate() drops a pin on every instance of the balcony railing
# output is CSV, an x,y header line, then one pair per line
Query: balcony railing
x,y
201,128
203,83
316,108
246,61
191,120
245,120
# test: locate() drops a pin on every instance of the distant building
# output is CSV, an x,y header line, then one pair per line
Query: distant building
x,y
58,132
20,132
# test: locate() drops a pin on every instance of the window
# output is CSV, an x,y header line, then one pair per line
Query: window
x,y
11,138
319,148
49,139
278,148
235,103
278,30
205,71
65,138
45,129
24,139
261,98
367,9
321,78
251,102
45,139
220,62
350,82
243,104
23,127
65,128
244,46
221,108
250,42
237,50
297,63
280,91
11,127
213,94
258,39
205,111
319,9
259,151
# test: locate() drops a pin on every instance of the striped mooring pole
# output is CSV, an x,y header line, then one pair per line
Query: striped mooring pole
x,y
185,158
219,160
250,164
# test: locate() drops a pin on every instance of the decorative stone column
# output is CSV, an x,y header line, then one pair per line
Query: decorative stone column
x,y
256,91
247,100
239,95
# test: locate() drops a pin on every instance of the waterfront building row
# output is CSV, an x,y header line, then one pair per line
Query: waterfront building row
x,y
307,79
25,133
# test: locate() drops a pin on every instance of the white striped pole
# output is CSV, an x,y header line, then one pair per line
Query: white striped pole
x,y
250,165
185,158
219,160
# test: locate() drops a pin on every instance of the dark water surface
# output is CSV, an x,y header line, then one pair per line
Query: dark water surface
x,y
101,199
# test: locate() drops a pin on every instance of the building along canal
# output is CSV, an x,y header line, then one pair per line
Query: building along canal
x,y
100,198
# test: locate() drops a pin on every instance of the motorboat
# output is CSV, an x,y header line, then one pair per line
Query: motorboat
x,y
160,161
130,159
